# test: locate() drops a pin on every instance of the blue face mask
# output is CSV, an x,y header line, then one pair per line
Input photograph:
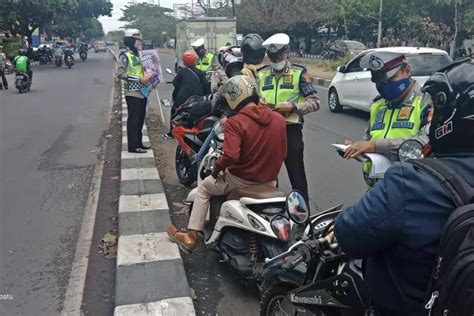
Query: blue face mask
x,y
393,90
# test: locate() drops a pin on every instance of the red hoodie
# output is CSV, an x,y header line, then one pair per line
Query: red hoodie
x,y
254,144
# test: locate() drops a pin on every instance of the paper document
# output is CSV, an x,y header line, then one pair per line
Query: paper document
x,y
380,163
293,118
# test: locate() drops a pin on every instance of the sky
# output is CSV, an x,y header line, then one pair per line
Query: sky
x,y
112,23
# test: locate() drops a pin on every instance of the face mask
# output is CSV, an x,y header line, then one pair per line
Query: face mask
x,y
201,53
279,65
393,90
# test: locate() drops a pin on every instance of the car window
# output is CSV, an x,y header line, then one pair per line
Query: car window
x,y
355,45
354,65
427,64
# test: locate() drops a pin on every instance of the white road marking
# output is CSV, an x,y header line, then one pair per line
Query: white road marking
x,y
145,139
140,174
180,306
141,203
152,247
127,155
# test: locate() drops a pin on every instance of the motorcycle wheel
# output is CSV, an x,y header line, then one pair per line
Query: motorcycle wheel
x,y
274,302
69,66
184,168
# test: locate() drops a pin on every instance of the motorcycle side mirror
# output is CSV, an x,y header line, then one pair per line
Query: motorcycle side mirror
x,y
297,208
410,149
169,71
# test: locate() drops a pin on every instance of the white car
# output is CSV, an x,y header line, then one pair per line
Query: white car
x,y
352,85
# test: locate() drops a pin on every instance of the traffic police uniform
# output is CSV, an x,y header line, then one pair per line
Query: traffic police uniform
x,y
392,122
130,71
209,61
292,84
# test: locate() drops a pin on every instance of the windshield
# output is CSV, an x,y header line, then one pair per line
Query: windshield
x,y
427,64
355,45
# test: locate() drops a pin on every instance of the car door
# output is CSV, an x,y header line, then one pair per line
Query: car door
x,y
348,84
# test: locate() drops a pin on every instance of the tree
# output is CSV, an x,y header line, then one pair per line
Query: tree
x,y
24,16
154,22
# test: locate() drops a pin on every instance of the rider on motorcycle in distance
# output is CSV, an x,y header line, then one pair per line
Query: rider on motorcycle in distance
x,y
396,227
22,63
254,150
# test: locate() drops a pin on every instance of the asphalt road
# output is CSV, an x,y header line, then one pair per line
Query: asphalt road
x,y
332,180
50,142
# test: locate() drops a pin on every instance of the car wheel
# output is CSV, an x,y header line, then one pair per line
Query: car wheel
x,y
333,101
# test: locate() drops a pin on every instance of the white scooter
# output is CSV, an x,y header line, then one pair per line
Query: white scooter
x,y
250,223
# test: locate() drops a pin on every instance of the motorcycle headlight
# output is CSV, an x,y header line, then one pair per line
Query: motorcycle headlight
x,y
281,227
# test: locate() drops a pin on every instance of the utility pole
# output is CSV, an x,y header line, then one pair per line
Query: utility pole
x,y
379,34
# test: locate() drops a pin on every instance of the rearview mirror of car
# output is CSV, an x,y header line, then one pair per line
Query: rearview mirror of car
x,y
341,69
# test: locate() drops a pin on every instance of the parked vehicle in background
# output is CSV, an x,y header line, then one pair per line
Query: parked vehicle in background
x,y
147,44
352,85
215,31
100,47
341,48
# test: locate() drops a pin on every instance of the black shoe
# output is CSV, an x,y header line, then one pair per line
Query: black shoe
x,y
6,88
138,151
145,147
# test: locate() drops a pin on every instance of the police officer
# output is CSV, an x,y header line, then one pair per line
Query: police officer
x,y
134,79
397,113
397,226
207,61
3,60
288,89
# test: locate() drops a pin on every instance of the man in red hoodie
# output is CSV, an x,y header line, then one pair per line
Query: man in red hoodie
x,y
254,151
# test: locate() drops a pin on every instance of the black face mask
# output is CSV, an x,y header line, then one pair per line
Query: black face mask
x,y
201,52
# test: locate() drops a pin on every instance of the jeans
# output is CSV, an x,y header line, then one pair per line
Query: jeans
x,y
205,148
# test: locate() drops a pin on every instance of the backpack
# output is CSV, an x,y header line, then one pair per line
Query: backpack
x,y
452,282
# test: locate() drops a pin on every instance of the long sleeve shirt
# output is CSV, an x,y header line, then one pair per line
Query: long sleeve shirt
x,y
121,73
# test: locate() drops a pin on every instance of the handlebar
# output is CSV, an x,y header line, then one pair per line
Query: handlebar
x,y
293,261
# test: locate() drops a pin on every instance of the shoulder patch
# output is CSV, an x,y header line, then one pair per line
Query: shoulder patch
x,y
377,98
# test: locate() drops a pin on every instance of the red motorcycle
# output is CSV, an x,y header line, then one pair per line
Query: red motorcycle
x,y
191,125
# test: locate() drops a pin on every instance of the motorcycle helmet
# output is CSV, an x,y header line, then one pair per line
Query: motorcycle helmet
x,y
239,91
232,61
451,90
252,50
220,55
190,58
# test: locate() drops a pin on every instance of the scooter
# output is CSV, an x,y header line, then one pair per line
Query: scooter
x,y
69,61
58,61
83,56
22,82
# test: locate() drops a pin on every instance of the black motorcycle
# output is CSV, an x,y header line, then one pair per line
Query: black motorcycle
x,y
44,59
315,277
58,61
69,61
22,82
83,56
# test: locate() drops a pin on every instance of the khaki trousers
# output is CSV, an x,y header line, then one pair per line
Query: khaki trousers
x,y
211,187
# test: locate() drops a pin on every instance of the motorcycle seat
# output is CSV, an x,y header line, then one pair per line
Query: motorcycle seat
x,y
256,192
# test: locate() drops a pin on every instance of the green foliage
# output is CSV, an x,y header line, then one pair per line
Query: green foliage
x,y
70,17
333,64
154,22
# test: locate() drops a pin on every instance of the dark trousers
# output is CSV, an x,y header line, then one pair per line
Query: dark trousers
x,y
136,117
4,79
294,162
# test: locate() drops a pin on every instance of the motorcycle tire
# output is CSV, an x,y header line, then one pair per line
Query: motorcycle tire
x,y
184,171
276,293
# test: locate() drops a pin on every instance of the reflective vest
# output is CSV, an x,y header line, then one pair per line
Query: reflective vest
x,y
134,68
386,123
21,63
286,88
205,63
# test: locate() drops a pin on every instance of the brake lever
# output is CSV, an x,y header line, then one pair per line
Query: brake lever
x,y
284,254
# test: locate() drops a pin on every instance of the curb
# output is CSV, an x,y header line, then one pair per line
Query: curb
x,y
150,277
